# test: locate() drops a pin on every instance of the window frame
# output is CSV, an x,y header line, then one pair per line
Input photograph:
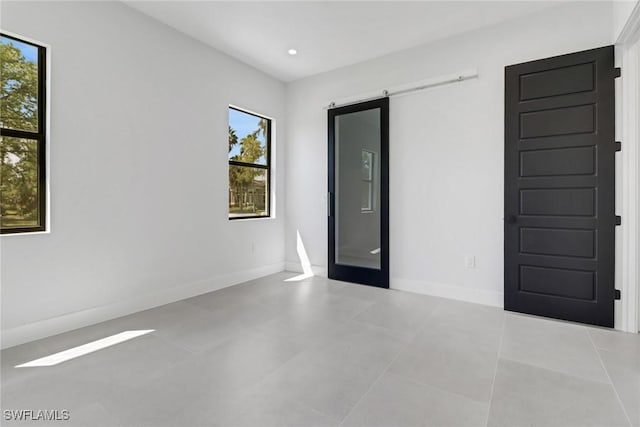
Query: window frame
x,y
266,166
40,136
369,180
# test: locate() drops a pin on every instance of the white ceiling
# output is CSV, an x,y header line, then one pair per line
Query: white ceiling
x,y
327,34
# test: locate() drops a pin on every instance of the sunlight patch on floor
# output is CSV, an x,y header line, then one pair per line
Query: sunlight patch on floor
x,y
84,349
304,261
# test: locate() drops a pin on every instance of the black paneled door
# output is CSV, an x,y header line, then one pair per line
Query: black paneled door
x,y
559,187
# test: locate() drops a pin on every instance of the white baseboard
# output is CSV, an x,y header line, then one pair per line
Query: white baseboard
x,y
67,322
296,267
460,293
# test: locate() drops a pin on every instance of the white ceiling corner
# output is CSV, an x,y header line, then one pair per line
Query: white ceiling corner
x,y
326,34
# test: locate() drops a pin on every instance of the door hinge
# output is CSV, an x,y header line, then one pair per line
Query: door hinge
x,y
617,72
618,220
617,294
618,146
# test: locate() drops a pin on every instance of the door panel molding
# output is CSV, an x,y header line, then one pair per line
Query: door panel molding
x,y
560,187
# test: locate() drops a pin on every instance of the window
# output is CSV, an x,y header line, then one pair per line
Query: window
x,y
249,165
366,203
22,136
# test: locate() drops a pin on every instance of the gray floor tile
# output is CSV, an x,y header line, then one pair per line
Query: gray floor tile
x,y
615,340
455,355
92,415
478,325
233,365
553,345
268,409
400,311
624,370
89,402
199,333
46,392
131,362
451,364
312,352
248,314
354,329
397,401
339,307
254,408
526,395
20,354
220,375
475,318
315,286
326,389
305,328
163,317
366,293
359,350
318,298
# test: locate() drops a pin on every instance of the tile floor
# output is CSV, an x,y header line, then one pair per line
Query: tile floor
x,y
324,353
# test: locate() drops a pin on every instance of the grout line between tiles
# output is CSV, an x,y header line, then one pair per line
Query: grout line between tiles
x,y
556,371
428,385
282,366
384,371
495,373
534,364
615,390
273,373
366,393
369,305
438,388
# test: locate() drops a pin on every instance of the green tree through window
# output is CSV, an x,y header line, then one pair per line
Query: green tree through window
x,y
249,169
22,136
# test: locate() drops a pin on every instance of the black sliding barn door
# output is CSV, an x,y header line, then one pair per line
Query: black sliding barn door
x,y
559,187
359,193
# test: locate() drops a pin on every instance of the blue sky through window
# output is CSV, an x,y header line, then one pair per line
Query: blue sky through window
x,y
30,52
245,124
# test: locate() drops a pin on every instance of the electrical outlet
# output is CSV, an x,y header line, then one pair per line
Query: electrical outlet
x,y
470,261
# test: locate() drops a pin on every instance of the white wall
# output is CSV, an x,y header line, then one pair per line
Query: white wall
x,y
446,149
138,171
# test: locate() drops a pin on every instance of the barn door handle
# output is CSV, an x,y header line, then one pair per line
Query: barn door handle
x,y
511,219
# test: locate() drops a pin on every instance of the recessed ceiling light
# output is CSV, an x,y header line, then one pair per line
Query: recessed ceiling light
x,y
292,52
